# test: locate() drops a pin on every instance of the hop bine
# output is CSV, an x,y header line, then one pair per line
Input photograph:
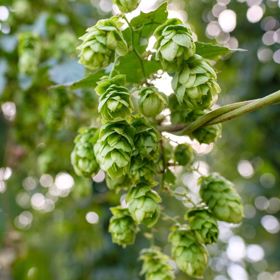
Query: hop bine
x,y
156,265
221,198
189,255
174,44
196,84
83,157
143,204
126,6
101,43
203,225
122,227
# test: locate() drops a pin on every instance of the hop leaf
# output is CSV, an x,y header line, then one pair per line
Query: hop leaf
x,y
174,44
126,6
122,227
115,103
83,156
195,84
114,148
189,255
29,50
143,204
204,225
100,44
184,154
156,265
221,198
151,102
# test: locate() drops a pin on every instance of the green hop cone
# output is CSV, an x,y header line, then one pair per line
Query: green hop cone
x,y
101,43
122,227
174,44
195,84
115,103
143,204
126,6
190,256
184,154
83,157
156,265
204,225
151,102
146,139
114,148
221,198
119,183
208,134
29,50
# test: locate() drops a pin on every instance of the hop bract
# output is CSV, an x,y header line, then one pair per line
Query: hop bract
x,y
195,84
190,256
221,198
156,265
151,102
122,227
174,44
184,154
100,44
115,103
143,204
114,148
29,50
83,157
204,225
126,6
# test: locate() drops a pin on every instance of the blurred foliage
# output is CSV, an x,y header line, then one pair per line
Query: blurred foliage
x,y
50,230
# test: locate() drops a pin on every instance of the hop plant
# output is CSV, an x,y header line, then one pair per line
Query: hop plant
x,y
204,225
118,183
83,157
151,102
190,256
142,169
207,134
221,198
29,50
100,44
195,84
143,204
114,148
122,227
126,6
115,103
174,44
184,154
156,265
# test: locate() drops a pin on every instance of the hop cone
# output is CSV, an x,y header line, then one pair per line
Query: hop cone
x,y
151,102
143,204
204,226
208,134
83,156
189,255
184,154
142,169
115,103
221,198
174,44
195,84
146,139
114,148
156,265
29,53
126,6
118,183
122,227
100,43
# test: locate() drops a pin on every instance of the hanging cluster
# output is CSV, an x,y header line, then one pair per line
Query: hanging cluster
x,y
129,147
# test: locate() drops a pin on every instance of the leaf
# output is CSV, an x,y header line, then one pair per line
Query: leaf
x,y
130,66
144,25
169,177
212,51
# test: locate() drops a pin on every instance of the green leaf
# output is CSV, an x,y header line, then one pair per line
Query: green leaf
x,y
144,25
130,66
169,177
212,51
